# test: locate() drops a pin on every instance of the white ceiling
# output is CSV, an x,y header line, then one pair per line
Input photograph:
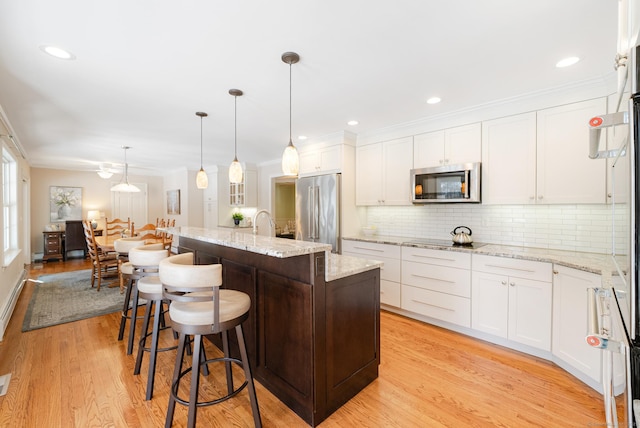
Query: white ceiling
x,y
144,67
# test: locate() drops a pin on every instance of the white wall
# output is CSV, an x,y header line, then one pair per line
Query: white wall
x,y
95,196
191,198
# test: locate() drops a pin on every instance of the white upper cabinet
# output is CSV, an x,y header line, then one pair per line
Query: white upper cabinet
x,y
382,172
320,159
509,160
447,147
542,157
565,173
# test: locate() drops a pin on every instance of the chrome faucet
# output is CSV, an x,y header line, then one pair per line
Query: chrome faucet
x,y
255,218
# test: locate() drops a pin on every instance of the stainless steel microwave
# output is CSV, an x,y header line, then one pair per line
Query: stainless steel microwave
x,y
446,184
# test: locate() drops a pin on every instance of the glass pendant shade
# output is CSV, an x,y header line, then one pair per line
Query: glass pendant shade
x,y
125,186
235,169
290,160
235,172
202,181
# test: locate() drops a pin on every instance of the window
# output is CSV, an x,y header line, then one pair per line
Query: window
x,y
9,201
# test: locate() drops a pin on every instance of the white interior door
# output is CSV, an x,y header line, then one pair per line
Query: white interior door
x,y
132,205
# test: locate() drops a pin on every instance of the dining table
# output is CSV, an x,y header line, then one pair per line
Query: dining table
x,y
105,242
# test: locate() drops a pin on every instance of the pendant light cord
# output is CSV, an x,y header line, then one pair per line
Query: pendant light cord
x,y
290,133
200,142
235,128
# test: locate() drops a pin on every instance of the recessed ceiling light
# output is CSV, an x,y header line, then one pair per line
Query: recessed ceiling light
x,y
567,61
433,100
352,122
302,137
57,52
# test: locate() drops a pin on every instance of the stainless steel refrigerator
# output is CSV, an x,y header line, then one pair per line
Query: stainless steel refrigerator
x,y
318,210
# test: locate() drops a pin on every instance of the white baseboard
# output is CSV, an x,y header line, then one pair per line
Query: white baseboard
x,y
7,311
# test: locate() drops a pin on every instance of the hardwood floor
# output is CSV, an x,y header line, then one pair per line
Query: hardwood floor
x,y
78,375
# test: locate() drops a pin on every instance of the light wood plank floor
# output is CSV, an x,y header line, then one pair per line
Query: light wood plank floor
x,y
78,375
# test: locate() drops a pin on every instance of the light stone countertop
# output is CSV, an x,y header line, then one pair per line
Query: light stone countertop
x,y
601,264
337,266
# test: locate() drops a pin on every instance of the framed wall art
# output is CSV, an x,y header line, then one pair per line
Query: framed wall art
x,y
173,201
65,203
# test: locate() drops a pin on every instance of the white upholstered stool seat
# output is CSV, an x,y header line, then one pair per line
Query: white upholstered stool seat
x,y
145,261
233,304
199,307
122,247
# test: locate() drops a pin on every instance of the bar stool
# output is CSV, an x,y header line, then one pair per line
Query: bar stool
x,y
122,247
199,307
145,263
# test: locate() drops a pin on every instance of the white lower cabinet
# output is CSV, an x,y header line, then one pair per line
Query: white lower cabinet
x,y
570,321
512,299
437,284
389,272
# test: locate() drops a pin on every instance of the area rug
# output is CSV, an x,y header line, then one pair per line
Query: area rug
x,y
68,296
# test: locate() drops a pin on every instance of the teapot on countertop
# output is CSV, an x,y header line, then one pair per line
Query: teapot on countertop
x,y
462,237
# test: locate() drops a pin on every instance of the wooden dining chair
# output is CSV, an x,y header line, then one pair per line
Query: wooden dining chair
x,y
103,265
146,233
117,226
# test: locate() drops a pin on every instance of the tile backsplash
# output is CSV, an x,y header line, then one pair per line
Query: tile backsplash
x,y
585,228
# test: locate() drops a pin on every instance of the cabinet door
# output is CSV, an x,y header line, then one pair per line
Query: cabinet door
x,y
565,173
490,303
530,312
463,144
509,160
428,149
308,161
331,158
368,174
570,321
397,160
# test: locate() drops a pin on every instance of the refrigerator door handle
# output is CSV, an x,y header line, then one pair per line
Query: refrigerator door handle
x,y
310,203
316,213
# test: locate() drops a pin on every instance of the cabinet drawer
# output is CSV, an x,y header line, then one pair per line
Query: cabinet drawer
x,y
437,278
528,269
445,307
390,293
53,250
371,249
389,271
437,257
51,236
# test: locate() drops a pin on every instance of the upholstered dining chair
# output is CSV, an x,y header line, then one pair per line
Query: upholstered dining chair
x,y
199,307
102,265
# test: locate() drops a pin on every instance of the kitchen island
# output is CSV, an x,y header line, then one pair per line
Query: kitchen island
x,y
313,333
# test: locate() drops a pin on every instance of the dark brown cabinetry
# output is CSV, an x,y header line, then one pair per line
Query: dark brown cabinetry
x,y
313,344
52,245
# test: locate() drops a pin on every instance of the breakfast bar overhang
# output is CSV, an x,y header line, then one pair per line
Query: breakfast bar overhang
x,y
313,334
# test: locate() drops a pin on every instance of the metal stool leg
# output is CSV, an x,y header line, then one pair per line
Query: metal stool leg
x,y
143,337
257,420
125,311
134,318
195,381
175,381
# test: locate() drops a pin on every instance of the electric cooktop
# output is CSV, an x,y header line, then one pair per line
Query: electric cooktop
x,y
445,243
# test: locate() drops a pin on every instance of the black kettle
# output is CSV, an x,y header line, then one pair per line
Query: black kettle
x,y
461,237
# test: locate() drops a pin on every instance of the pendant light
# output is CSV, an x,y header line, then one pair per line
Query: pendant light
x,y
290,159
125,186
235,170
202,181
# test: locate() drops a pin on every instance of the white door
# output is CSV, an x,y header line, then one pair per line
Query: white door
x,y
132,205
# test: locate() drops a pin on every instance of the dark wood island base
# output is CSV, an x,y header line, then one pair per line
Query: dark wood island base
x,y
313,344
